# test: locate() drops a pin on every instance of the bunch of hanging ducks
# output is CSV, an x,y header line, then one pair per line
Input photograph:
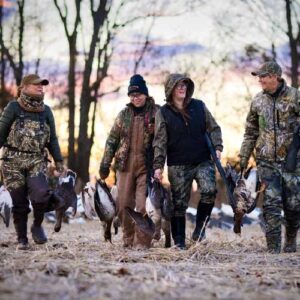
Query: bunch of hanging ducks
x,y
159,210
99,201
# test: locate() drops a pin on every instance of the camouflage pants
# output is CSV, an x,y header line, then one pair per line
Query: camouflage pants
x,y
181,179
282,192
17,166
23,175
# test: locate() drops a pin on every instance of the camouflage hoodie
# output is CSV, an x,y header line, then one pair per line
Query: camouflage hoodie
x,y
270,124
118,142
161,137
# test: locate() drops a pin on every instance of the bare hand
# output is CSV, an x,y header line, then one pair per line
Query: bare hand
x,y
219,154
158,175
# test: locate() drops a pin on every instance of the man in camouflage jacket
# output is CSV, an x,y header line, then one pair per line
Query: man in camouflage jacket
x,y
180,127
27,128
130,143
274,114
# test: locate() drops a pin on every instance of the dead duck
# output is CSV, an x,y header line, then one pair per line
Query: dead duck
x,y
5,205
246,189
87,196
160,209
98,201
143,222
66,193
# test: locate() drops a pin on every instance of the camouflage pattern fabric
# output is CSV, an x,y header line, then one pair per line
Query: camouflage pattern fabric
x,y
269,67
282,192
30,137
270,125
118,142
181,178
17,166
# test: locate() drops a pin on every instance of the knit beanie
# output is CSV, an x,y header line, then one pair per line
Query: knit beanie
x,y
137,84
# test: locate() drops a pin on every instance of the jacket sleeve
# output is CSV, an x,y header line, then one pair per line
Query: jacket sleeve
x,y
298,105
214,129
6,120
53,145
251,133
112,142
160,141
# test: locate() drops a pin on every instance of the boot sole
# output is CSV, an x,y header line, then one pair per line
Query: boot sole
x,y
40,242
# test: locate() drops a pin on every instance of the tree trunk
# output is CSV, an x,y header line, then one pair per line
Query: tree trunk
x,y
293,42
71,104
84,141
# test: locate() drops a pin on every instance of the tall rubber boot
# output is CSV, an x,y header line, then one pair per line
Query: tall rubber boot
x,y
203,215
290,244
292,219
20,211
38,233
178,231
20,223
273,243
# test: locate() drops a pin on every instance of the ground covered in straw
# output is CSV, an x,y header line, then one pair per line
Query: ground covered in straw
x,y
77,264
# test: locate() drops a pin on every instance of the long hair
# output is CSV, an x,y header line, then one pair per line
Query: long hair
x,y
183,111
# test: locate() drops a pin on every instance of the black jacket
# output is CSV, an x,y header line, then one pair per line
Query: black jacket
x,y
186,142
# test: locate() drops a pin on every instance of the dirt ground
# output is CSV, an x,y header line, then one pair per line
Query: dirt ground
x,y
77,264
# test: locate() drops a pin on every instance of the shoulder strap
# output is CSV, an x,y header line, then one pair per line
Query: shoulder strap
x,y
42,120
21,115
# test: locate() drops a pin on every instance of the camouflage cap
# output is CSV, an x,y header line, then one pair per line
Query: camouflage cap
x,y
33,79
269,67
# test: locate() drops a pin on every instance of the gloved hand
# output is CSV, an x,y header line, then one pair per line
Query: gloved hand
x,y
243,162
103,172
59,166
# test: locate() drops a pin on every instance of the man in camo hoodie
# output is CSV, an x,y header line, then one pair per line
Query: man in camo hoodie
x,y
274,114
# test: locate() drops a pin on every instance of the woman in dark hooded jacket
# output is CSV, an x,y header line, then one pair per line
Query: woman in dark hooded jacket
x,y
180,127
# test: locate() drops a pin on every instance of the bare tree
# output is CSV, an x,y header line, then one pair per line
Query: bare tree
x,y
292,12
73,53
270,18
16,64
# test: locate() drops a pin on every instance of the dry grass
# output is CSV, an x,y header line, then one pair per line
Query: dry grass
x,y
77,264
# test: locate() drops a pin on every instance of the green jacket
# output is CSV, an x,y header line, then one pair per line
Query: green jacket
x,y
29,137
118,142
270,124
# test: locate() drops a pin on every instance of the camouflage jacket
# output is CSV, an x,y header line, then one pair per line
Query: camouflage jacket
x,y
160,143
118,142
270,124
25,133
